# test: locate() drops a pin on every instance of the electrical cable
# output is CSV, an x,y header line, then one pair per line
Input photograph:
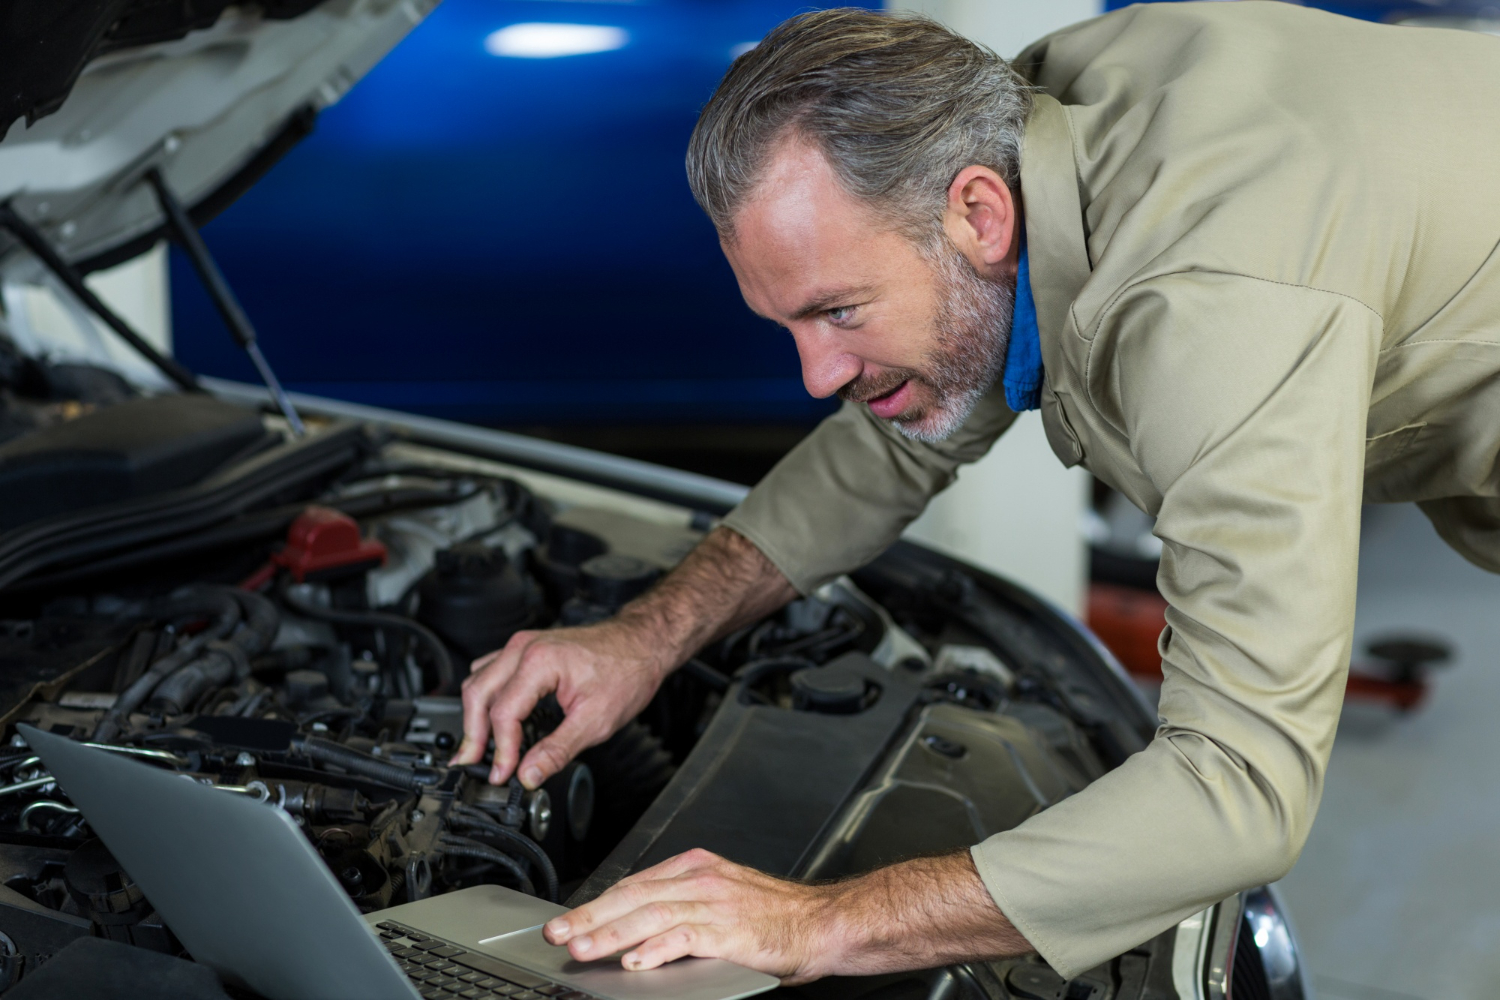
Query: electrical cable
x,y
387,772
462,847
701,671
441,661
467,815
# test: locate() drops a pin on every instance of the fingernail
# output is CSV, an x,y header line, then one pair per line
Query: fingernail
x,y
494,776
584,944
531,777
631,960
558,928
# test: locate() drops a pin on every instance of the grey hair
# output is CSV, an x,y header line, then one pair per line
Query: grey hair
x,y
898,104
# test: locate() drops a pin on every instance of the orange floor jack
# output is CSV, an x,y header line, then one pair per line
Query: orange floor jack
x,y
1128,621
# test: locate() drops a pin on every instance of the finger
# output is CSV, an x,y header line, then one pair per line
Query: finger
x,y
635,927
576,734
478,691
701,940
531,681
612,904
484,661
676,881
508,736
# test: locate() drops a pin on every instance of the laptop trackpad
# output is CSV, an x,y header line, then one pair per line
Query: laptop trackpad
x,y
685,979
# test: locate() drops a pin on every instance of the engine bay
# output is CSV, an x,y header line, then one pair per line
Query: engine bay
x,y
289,619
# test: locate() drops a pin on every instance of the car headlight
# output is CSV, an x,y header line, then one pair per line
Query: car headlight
x,y
1268,959
1244,948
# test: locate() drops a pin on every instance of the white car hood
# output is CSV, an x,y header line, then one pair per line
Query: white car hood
x,y
200,109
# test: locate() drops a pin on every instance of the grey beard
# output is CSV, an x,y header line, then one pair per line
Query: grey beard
x,y
968,358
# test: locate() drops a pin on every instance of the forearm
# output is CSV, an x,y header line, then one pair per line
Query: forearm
x,y
915,915
723,584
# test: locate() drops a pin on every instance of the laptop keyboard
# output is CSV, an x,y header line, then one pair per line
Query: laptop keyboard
x,y
444,971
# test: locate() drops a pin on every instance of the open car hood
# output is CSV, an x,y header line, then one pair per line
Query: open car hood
x,y
95,94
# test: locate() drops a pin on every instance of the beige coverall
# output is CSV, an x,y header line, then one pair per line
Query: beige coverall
x,y
1263,246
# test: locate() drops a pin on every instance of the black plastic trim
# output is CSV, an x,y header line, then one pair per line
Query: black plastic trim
x,y
67,540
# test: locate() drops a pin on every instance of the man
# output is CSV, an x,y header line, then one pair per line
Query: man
x,y
1244,259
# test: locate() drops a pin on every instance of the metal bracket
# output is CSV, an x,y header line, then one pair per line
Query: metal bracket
x,y
188,237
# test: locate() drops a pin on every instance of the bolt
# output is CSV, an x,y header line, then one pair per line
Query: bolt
x,y
540,813
244,759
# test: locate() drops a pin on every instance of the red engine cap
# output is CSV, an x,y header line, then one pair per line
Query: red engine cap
x,y
325,542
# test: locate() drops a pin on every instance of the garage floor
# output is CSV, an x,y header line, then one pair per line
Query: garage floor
x,y
1397,895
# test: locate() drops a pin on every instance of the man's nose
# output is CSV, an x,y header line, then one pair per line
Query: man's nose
x,y
826,366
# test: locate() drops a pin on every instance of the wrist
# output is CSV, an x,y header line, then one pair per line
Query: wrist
x,y
915,914
843,926
647,636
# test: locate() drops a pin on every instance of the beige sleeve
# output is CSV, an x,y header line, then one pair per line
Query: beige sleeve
x,y
1471,525
1245,403
844,494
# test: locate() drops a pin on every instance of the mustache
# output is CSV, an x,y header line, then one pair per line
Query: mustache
x,y
868,387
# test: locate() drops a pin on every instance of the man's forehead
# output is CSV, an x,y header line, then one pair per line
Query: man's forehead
x,y
800,238
798,199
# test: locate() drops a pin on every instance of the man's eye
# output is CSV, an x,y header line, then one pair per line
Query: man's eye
x,y
842,314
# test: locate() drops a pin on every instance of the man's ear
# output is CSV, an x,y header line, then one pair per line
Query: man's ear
x,y
981,220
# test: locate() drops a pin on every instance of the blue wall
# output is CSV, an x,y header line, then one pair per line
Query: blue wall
x,y
507,240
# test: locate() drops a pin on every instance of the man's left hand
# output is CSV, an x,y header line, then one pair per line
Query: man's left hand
x,y
701,905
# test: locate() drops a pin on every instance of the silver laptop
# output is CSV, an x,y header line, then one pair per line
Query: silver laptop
x,y
245,892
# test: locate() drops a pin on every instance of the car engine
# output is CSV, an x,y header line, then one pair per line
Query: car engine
x,y
288,618
324,681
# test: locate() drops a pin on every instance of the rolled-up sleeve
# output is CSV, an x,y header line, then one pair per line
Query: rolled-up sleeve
x,y
847,491
1245,403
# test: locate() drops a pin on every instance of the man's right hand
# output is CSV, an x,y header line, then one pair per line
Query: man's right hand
x,y
604,675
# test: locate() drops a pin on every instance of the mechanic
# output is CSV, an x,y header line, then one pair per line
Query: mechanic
x,y
1243,257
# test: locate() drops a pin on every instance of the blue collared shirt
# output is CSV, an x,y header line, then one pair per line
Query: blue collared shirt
x,y
1023,358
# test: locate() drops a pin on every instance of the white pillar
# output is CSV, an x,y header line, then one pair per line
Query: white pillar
x,y
44,319
1017,512
138,291
1007,26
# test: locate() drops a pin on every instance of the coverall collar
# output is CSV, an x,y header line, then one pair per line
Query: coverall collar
x,y
1055,243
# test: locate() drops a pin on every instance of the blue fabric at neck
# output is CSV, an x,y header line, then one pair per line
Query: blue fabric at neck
x,y
1023,358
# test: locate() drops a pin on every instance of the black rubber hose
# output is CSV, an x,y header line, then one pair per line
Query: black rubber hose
x,y
261,620
462,847
221,661
702,672
441,661
218,664
466,815
387,772
217,602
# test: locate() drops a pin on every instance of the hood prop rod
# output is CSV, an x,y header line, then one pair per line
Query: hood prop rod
x,y
191,242
37,244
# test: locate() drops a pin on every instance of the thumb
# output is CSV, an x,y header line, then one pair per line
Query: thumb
x,y
553,753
